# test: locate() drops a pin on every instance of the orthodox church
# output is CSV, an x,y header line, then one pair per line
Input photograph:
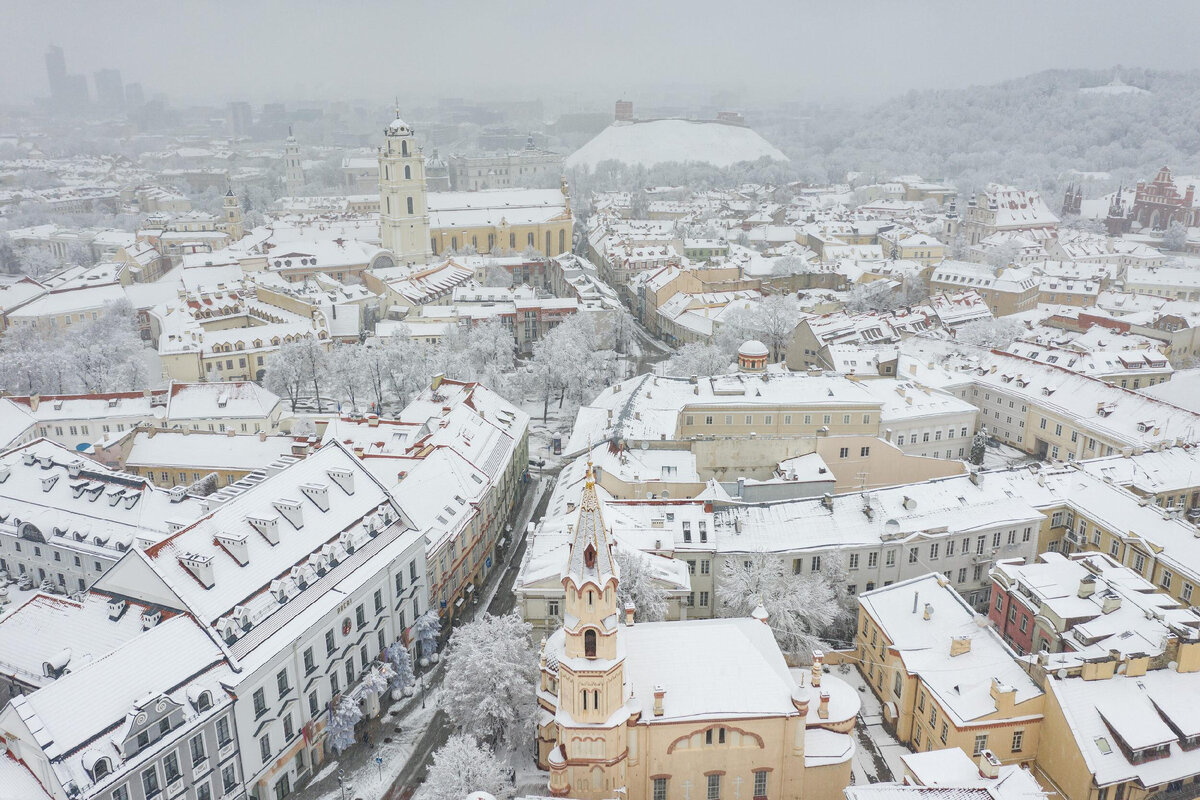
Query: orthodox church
x,y
417,225
686,709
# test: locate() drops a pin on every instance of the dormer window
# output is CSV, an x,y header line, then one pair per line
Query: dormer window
x,y
589,557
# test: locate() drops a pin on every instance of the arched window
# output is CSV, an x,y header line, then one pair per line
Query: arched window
x,y
547,242
101,768
453,242
589,556
491,242
433,246
387,172
410,205
389,205
512,241
562,240
529,239
407,172
404,147
204,702
589,643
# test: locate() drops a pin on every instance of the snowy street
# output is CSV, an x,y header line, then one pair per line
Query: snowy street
x,y
402,740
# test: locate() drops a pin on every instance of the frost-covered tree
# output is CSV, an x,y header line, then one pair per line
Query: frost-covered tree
x,y
800,608
1002,255
426,629
299,365
462,767
879,295
771,321
994,334
617,330
638,586
285,379
376,680
346,374
106,353
697,358
790,265
496,275
397,655
568,363
979,445
36,262
1175,237
340,730
489,684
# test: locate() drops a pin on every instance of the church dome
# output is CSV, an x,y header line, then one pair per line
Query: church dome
x,y
752,356
398,127
753,349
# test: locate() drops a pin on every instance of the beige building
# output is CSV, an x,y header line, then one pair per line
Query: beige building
x,y
628,709
944,678
1009,291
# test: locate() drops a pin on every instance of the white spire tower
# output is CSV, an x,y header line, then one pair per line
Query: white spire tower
x,y
403,215
293,170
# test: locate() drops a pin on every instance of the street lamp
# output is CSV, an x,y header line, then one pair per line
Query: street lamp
x,y
341,776
424,662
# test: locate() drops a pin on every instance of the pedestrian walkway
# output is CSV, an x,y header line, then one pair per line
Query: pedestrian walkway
x,y
369,768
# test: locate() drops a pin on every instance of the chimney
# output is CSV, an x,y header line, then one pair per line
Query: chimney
x,y
262,436
659,694
34,400
928,611
960,645
235,545
1109,602
200,565
818,663
823,708
1087,586
437,381
989,765
629,612
760,614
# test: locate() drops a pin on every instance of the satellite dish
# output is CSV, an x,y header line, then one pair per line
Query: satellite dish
x,y
1062,673
645,445
1173,665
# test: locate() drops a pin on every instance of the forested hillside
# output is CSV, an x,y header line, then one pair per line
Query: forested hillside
x,y
1031,131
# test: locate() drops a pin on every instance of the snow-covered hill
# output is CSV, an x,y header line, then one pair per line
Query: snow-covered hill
x,y
657,141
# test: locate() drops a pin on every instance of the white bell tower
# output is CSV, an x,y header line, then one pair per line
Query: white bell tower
x,y
293,169
403,216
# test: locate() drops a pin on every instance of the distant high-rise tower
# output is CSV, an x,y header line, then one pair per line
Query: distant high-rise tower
x,y
66,91
293,170
134,96
624,111
56,72
110,91
403,218
233,216
241,117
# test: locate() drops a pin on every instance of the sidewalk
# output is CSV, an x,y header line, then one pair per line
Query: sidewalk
x,y
394,736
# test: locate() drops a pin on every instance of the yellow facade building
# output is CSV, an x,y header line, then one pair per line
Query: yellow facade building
x,y
944,678
668,710
416,224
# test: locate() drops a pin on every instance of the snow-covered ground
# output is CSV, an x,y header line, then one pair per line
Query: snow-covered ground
x,y
872,736
656,141
369,780
1004,456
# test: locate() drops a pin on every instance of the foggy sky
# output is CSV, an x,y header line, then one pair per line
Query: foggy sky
x,y
581,55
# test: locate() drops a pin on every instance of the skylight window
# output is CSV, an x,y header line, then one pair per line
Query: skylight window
x,y
1103,746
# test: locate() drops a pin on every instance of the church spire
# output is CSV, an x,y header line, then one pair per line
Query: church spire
x,y
591,559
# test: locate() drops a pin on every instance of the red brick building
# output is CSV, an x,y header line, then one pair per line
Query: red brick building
x,y
1159,202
